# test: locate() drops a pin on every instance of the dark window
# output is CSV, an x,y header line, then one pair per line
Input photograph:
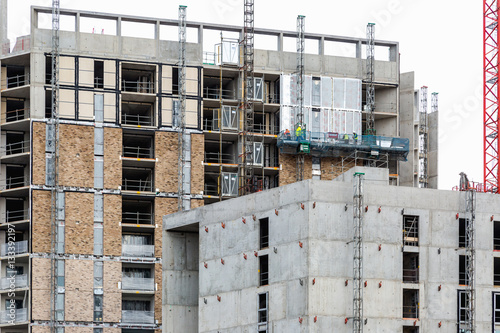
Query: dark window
x,y
97,307
264,232
48,69
410,230
410,303
410,267
496,308
264,270
463,304
263,308
98,74
175,80
410,329
496,274
496,235
462,270
462,232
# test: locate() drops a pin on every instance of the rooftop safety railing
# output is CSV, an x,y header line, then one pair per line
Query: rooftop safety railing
x,y
145,87
14,282
139,317
141,185
138,152
135,283
137,218
16,81
16,316
14,249
133,250
15,115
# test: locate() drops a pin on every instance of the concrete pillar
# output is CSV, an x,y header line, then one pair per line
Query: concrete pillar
x,y
359,45
280,42
200,40
3,27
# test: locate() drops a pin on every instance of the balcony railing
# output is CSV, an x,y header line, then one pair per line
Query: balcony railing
x,y
16,316
15,215
137,119
410,311
132,250
216,158
14,249
496,243
16,148
410,275
14,182
17,281
215,93
134,283
144,87
137,185
137,218
17,81
15,115
140,317
138,152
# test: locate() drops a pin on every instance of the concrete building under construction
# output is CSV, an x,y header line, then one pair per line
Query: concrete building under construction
x,y
103,134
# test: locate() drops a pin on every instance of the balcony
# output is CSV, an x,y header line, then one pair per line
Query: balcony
x,y
19,316
18,147
16,80
134,250
14,182
138,150
14,249
15,113
137,114
136,283
139,317
138,79
137,179
16,282
15,216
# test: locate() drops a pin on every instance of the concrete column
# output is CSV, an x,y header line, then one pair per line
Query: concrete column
x,y
200,40
4,40
280,42
394,53
157,39
359,45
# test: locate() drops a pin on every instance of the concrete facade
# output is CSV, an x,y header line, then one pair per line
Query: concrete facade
x,y
213,260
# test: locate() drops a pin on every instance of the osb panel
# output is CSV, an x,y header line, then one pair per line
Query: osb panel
x,y
76,163
330,168
112,228
112,312
288,173
79,294
78,330
158,293
41,221
79,305
38,154
113,139
40,329
166,167
197,168
163,206
79,219
40,285
112,330
196,203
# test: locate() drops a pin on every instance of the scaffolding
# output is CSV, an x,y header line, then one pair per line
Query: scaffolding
x,y
53,136
300,90
182,107
370,86
357,306
246,169
470,212
423,139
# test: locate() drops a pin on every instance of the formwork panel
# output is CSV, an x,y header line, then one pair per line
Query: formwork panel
x,y
76,162
79,220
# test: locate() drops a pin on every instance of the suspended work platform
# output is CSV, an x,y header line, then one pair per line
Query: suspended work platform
x,y
321,144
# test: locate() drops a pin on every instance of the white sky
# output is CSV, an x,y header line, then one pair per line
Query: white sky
x,y
440,41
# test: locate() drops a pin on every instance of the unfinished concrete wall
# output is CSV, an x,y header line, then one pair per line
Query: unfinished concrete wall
x,y
166,167
112,298
76,160
41,221
38,153
112,151
79,230
406,127
197,158
433,160
79,292
40,289
111,225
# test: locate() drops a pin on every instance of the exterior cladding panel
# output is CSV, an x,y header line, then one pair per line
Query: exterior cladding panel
x,y
166,167
38,153
288,173
40,288
79,293
79,219
76,162
112,151
41,242
112,228
197,168
112,311
163,206
158,293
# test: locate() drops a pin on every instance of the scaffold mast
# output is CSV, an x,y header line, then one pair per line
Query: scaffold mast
x,y
370,71
357,300
423,138
182,108
300,90
470,213
491,119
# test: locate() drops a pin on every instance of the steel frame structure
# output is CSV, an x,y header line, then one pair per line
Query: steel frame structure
x,y
300,88
357,300
491,119
470,216
182,106
370,71
423,138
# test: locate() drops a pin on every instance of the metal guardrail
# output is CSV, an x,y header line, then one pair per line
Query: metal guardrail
x,y
132,250
137,218
14,282
138,87
15,115
137,119
410,311
215,93
17,316
410,275
211,190
138,152
16,81
14,182
209,58
16,148
140,317
135,283
15,215
137,185
214,158
496,243
14,249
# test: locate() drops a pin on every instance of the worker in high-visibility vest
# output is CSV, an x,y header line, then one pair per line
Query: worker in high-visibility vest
x,y
298,133
287,134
